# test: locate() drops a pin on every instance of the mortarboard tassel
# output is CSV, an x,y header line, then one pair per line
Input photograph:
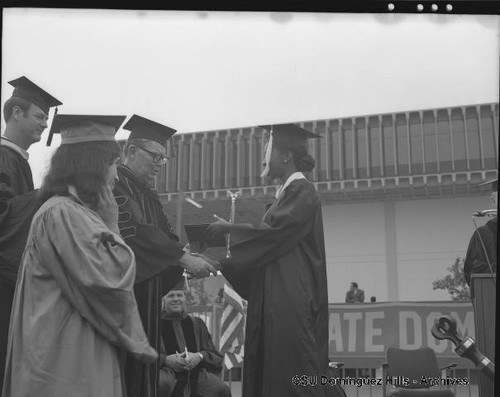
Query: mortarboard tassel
x,y
267,156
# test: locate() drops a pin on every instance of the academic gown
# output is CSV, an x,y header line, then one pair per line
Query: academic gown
x,y
146,229
16,181
475,259
280,268
204,379
74,307
15,173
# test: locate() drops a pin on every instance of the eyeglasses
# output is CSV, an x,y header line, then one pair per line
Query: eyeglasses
x,y
158,159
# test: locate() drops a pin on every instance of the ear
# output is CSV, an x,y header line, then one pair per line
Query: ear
x,y
17,113
131,151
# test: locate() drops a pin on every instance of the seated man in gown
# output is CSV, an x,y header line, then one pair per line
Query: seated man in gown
x,y
190,363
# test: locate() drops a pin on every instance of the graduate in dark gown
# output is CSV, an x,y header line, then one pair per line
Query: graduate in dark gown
x,y
280,268
160,257
26,113
190,363
482,250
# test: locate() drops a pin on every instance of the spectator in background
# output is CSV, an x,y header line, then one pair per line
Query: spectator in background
x,y
355,295
219,300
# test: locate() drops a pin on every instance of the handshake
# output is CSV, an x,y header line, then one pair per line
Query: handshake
x,y
197,260
198,265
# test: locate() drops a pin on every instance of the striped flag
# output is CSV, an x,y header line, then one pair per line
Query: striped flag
x,y
232,329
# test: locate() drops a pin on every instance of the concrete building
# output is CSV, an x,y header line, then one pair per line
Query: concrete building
x,y
398,190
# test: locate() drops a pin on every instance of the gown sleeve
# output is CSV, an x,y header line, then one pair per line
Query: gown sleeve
x,y
475,259
9,175
15,175
154,250
212,359
95,270
15,221
289,223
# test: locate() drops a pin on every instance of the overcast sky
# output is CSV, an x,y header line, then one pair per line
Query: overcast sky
x,y
197,71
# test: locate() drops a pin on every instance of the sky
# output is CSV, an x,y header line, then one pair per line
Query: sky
x,y
199,71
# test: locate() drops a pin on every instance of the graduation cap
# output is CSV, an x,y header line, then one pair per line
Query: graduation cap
x,y
291,134
142,128
180,286
26,89
492,182
197,233
77,128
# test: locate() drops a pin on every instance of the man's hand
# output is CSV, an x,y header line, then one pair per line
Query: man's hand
x,y
176,362
197,266
215,263
196,246
192,360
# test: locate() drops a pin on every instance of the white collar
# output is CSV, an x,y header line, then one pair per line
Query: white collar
x,y
8,143
291,178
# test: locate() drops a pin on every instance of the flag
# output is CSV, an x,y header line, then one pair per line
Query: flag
x,y
232,340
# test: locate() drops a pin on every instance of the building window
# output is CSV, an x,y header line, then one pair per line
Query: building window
x,y
389,145
473,138
374,140
417,155
444,141
402,144
348,148
361,148
335,149
430,142
458,134
489,136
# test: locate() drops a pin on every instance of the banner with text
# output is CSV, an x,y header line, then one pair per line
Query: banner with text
x,y
359,334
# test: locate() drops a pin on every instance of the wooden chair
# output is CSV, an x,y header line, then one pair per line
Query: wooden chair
x,y
403,373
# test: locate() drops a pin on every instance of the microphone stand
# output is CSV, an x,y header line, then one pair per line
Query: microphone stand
x,y
446,328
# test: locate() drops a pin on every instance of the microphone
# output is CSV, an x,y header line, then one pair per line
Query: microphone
x,y
479,214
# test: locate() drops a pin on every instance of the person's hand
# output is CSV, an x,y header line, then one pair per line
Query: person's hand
x,y
192,360
107,208
175,362
217,228
197,266
214,262
196,246
149,356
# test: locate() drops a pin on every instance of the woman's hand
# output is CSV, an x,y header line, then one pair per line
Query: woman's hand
x,y
148,356
107,208
218,227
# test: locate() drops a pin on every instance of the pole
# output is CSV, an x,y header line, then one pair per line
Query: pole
x,y
180,189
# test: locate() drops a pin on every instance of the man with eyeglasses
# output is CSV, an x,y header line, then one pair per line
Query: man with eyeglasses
x,y
145,228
